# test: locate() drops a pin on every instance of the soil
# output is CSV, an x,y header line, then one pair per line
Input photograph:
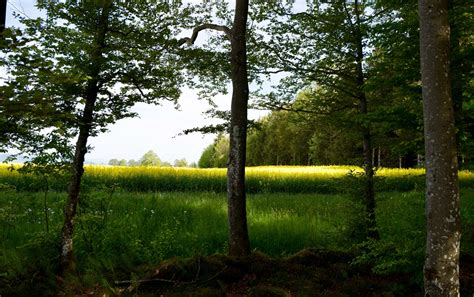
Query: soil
x,y
310,272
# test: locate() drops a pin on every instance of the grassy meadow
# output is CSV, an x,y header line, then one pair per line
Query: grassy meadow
x,y
130,217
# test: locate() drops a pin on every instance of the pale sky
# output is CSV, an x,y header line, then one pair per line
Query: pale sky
x,y
156,128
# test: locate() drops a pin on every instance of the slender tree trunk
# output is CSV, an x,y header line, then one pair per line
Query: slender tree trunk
x,y
441,271
369,191
45,204
239,244
373,157
379,158
66,264
3,17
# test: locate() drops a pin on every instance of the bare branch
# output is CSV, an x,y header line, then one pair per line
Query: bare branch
x,y
133,283
290,108
375,15
137,86
189,41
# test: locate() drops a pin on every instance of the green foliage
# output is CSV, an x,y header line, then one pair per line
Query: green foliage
x,y
58,58
118,231
354,185
180,163
150,158
387,257
319,43
216,154
400,217
301,138
117,162
205,161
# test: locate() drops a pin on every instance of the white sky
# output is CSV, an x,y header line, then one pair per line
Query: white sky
x,y
156,128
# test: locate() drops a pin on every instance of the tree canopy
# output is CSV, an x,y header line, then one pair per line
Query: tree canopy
x,y
341,81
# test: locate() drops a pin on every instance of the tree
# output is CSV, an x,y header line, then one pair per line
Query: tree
x,y
461,51
239,244
441,272
117,162
86,65
150,158
180,163
216,154
221,151
396,78
3,16
206,159
326,50
113,162
281,138
132,162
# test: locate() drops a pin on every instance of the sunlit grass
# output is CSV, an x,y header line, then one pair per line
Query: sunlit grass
x,y
126,229
119,231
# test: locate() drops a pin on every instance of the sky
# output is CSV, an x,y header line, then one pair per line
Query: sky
x,y
156,128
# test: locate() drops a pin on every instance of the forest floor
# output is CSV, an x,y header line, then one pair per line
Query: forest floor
x,y
310,272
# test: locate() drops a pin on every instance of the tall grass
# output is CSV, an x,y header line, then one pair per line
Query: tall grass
x,y
118,232
269,179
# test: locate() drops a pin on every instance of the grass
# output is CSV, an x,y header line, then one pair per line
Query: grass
x,y
127,221
116,233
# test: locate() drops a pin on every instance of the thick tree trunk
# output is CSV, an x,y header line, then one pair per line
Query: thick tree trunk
x,y
369,191
239,244
441,270
66,264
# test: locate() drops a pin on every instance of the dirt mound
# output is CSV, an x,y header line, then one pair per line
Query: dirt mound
x,y
310,272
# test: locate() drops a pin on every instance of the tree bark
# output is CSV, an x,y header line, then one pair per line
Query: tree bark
x,y
369,192
3,17
441,271
66,264
239,244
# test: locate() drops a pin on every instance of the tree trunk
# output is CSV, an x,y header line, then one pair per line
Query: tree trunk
x,y
441,271
3,16
369,191
239,244
66,264
379,158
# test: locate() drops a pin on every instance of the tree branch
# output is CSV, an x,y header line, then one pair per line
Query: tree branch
x,y
375,15
189,41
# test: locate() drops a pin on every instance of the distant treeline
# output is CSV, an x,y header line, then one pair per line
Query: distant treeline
x,y
299,136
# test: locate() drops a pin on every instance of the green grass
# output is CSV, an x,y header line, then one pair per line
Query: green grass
x,y
130,217
117,233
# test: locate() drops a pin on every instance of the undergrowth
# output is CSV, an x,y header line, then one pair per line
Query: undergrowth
x,y
120,232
